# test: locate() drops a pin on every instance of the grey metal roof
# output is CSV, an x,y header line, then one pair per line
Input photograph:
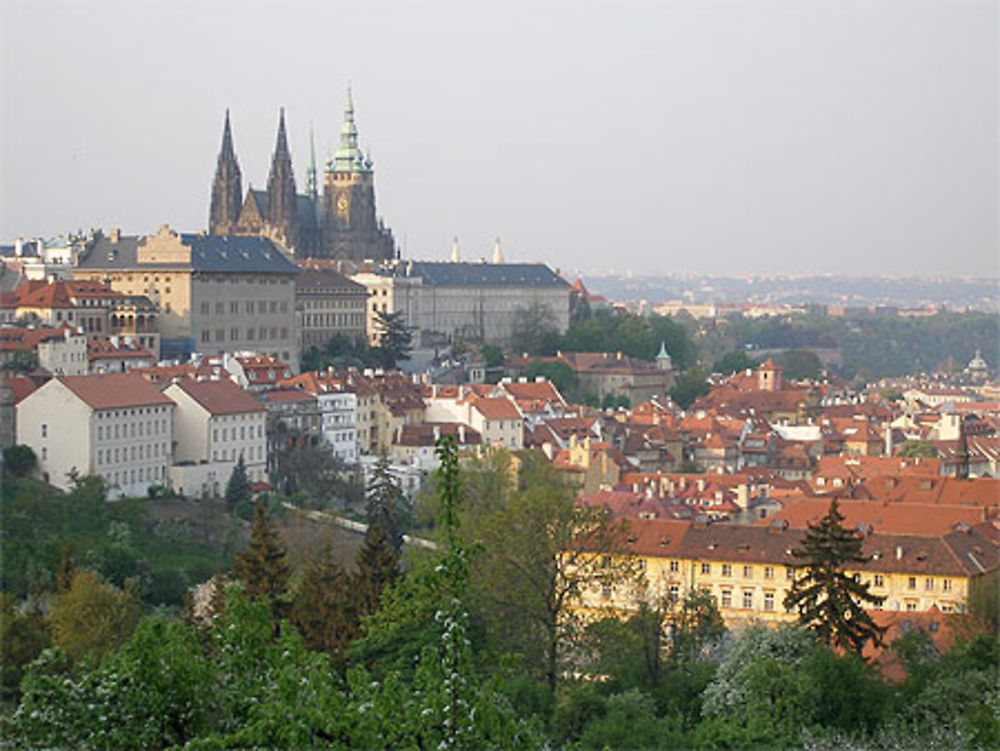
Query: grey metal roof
x,y
447,274
228,254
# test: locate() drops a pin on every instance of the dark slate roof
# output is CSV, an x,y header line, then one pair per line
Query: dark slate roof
x,y
448,274
237,254
305,213
229,254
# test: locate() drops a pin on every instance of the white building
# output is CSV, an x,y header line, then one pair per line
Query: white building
x,y
215,422
117,426
339,412
476,301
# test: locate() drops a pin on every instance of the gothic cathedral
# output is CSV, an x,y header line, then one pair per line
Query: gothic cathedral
x,y
342,224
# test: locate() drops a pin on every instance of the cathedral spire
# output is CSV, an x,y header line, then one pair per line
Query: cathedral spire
x,y
349,158
227,192
281,184
312,188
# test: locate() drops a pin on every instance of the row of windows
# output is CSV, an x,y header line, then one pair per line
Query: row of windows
x,y
332,319
235,279
112,413
326,303
132,476
260,334
253,454
131,430
230,433
131,453
248,307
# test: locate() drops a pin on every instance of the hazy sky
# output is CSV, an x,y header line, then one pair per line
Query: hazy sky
x,y
838,135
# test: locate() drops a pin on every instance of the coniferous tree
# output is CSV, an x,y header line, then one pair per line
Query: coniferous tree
x,y
378,568
238,487
384,503
829,601
263,568
324,609
395,340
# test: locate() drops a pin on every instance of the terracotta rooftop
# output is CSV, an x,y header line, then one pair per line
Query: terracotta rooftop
x,y
114,390
219,397
496,408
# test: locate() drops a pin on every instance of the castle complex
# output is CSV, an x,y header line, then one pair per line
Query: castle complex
x,y
340,224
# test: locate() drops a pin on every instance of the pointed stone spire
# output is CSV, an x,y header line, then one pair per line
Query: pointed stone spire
x,y
281,183
312,186
962,452
497,253
455,257
227,193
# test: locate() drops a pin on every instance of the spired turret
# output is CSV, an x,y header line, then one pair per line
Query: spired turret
x,y
281,186
227,191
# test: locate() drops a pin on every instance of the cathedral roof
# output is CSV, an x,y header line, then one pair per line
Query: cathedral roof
x,y
482,274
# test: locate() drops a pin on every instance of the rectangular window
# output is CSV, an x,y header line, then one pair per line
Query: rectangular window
x,y
234,308
250,307
205,335
727,569
769,601
946,585
727,598
910,606
220,335
747,599
234,334
747,572
879,580
911,583
206,308
706,568
674,593
674,567
789,573
45,430
929,584
768,572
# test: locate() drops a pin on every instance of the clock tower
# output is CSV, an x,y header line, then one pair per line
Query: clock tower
x,y
351,228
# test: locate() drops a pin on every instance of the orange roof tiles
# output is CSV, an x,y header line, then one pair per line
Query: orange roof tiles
x,y
220,397
496,408
114,390
895,518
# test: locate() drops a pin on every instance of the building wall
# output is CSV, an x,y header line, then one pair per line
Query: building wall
x,y
238,312
66,356
205,438
55,423
746,592
128,447
339,414
132,448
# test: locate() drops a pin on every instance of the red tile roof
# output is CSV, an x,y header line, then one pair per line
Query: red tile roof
x,y
496,408
220,397
114,390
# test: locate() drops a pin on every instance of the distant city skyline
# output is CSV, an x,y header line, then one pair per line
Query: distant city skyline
x,y
756,137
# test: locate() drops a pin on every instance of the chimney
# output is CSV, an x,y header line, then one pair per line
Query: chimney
x,y
116,236
461,434
899,552
437,433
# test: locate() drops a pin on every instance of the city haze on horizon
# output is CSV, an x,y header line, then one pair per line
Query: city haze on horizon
x,y
767,138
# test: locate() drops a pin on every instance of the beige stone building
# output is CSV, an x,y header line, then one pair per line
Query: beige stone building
x,y
215,293
328,304
441,301
116,426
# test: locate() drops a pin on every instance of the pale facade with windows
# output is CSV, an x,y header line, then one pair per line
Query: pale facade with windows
x,y
117,426
214,424
215,293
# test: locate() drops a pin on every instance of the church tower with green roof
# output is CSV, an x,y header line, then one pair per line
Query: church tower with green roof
x,y
351,227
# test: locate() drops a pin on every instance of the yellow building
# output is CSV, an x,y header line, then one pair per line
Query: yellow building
x,y
749,570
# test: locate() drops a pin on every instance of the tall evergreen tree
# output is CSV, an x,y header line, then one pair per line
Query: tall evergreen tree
x,y
238,487
395,340
829,601
324,609
263,568
378,568
384,502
